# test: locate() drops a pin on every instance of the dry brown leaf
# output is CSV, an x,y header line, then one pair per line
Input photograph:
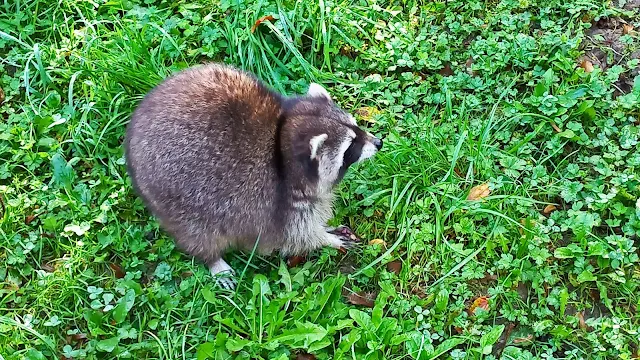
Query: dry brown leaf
x,y
1,95
378,242
627,28
499,346
47,267
479,192
81,337
29,219
581,322
489,277
469,66
587,66
117,270
469,62
305,356
260,21
482,302
523,340
555,127
446,70
549,209
362,298
293,261
395,266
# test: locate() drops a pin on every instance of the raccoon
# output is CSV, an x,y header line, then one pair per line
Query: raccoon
x,y
225,162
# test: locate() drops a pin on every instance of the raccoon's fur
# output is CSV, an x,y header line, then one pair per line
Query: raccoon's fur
x,y
223,161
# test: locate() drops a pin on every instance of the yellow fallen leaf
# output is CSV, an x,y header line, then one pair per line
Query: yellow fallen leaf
x,y
367,113
549,209
586,65
626,28
481,302
378,242
479,192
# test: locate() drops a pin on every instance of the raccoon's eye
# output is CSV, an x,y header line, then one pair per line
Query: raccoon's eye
x,y
353,153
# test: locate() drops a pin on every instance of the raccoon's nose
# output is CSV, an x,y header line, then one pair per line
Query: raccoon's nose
x,y
377,143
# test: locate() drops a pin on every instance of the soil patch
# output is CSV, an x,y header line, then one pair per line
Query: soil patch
x,y
605,48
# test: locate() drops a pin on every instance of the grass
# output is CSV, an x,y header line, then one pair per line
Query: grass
x,y
500,221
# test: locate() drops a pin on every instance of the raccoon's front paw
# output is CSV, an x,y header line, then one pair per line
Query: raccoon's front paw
x,y
345,232
225,281
342,238
223,275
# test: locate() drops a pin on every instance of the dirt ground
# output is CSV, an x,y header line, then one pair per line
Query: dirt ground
x,y
605,46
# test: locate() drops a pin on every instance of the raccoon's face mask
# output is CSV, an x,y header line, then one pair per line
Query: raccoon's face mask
x,y
342,143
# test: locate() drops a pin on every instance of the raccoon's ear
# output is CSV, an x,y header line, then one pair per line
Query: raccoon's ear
x,y
316,90
315,144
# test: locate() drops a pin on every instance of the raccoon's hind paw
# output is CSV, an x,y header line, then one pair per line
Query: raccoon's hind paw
x,y
223,274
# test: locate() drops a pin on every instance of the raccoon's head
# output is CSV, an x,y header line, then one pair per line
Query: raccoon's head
x,y
327,139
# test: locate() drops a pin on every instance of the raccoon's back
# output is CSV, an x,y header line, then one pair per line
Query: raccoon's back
x,y
202,144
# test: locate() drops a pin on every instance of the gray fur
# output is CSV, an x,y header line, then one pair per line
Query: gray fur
x,y
221,160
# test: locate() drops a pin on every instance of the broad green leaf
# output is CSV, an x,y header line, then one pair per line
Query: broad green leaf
x,y
261,286
563,253
131,284
446,346
341,324
237,344
124,305
330,294
577,93
347,341
569,134
362,318
378,309
229,321
442,300
205,351
321,344
108,345
490,338
285,277
63,173
304,335
586,275
34,354
540,89
564,297
597,249
208,295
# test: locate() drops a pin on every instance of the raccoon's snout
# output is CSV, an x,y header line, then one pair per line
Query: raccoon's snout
x,y
377,143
